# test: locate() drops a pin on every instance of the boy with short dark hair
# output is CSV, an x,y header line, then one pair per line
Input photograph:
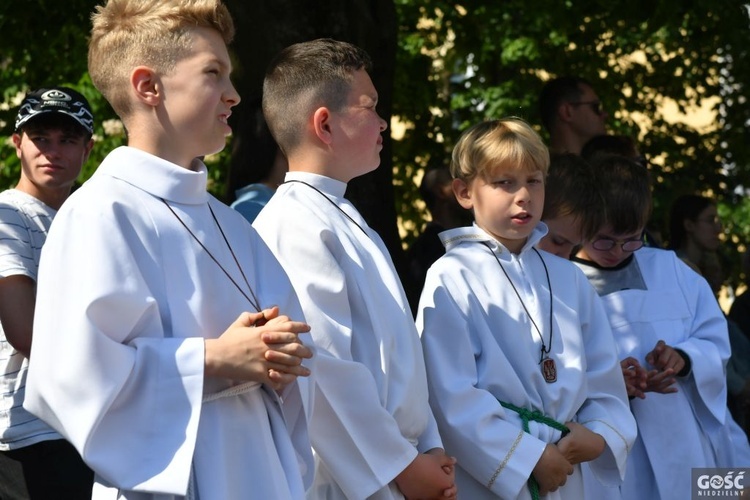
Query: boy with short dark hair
x,y
157,351
573,205
522,368
53,140
372,430
664,317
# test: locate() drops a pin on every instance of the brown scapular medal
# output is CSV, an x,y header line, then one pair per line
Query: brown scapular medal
x,y
549,370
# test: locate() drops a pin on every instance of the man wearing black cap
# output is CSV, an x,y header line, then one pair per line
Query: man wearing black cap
x,y
53,139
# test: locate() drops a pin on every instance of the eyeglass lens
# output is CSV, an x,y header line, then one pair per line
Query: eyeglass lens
x,y
605,244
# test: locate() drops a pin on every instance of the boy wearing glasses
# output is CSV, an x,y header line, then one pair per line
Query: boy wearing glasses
x,y
664,317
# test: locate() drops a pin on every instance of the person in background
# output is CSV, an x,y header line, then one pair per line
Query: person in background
x,y
53,139
571,113
694,229
739,311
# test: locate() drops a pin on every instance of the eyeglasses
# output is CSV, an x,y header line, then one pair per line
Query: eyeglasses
x,y
604,244
596,106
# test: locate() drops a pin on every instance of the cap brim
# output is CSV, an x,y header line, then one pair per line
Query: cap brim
x,y
30,117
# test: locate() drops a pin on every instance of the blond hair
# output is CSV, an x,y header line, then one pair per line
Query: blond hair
x,y
303,77
155,33
507,143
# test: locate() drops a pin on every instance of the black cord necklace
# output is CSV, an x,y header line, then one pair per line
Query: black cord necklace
x,y
254,300
331,202
549,368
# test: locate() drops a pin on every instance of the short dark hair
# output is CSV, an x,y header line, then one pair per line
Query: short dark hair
x,y
557,91
571,188
626,188
304,76
607,144
432,182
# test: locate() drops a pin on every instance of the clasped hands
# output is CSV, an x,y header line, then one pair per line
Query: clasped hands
x,y
557,460
263,347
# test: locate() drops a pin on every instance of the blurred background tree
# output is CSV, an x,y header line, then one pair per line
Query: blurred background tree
x,y
671,74
441,66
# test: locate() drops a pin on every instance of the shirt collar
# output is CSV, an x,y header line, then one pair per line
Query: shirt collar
x,y
328,185
455,237
157,176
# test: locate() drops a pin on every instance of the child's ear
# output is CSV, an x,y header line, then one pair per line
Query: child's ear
x,y
145,85
322,124
463,195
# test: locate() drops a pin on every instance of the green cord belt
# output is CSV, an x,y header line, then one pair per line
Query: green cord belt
x,y
536,416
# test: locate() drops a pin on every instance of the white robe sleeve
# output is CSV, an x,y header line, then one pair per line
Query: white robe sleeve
x,y
119,368
706,344
606,410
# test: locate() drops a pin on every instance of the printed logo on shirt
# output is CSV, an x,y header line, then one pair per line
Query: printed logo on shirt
x,y
720,483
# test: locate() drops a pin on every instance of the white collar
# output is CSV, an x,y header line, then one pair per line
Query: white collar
x,y
157,176
474,233
328,185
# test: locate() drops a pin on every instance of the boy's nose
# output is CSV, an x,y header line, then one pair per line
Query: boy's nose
x,y
616,250
232,97
523,195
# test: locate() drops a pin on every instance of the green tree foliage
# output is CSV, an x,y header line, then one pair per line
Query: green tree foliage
x,y
462,62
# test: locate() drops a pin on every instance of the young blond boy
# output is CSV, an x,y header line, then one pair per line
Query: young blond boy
x,y
665,318
145,353
522,368
372,430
